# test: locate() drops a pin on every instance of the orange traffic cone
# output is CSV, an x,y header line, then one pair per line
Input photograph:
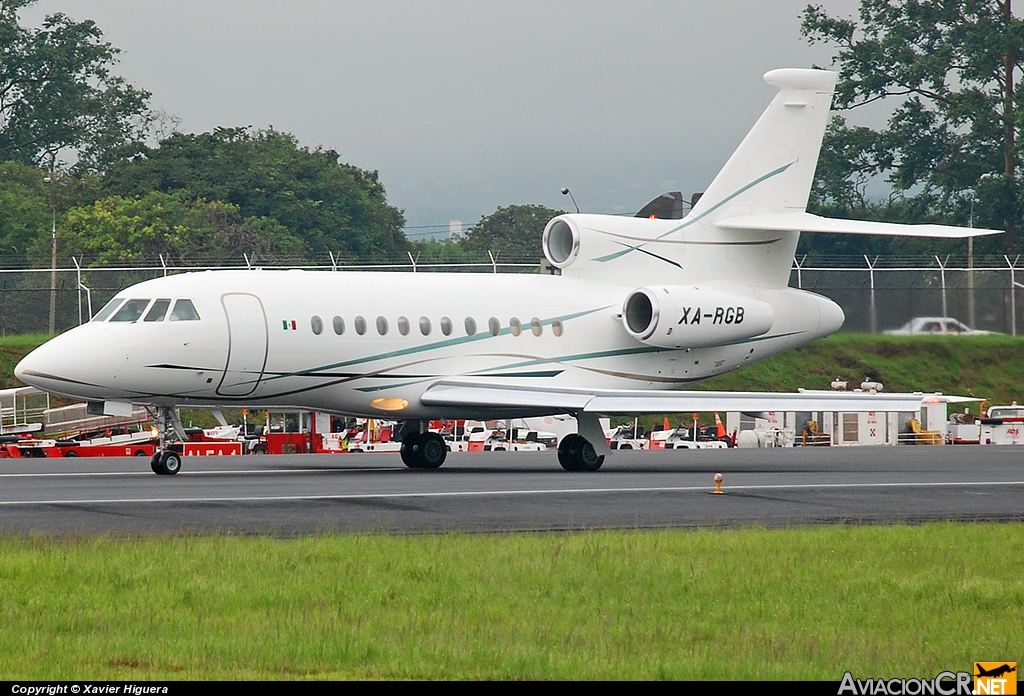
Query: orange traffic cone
x,y
719,426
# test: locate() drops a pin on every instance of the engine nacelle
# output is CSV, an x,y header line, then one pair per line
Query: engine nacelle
x,y
590,246
685,316
561,241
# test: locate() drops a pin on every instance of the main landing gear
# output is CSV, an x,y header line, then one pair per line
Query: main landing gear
x,y
423,450
166,460
575,453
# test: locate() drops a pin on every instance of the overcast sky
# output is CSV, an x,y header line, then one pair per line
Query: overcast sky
x,y
464,106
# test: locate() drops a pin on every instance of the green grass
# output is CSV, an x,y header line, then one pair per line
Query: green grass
x,y
13,349
714,604
986,366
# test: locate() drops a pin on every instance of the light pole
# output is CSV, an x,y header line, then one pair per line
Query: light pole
x,y
53,258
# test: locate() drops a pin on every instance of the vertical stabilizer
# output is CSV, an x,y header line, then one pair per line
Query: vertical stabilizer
x,y
772,169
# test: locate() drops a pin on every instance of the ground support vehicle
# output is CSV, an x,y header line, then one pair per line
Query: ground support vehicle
x,y
1003,425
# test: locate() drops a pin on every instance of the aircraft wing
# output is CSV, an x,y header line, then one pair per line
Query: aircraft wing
x,y
805,222
628,401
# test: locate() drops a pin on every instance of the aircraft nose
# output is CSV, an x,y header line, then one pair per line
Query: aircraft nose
x,y
81,363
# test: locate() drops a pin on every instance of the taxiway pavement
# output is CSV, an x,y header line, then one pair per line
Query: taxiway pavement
x,y
495,491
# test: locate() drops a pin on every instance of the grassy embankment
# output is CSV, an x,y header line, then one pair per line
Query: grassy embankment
x,y
731,604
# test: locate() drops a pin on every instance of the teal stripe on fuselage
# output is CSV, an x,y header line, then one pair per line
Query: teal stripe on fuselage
x,y
412,350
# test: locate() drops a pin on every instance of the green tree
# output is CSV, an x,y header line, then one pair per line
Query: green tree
x,y
58,96
445,251
25,212
952,140
512,233
331,206
118,231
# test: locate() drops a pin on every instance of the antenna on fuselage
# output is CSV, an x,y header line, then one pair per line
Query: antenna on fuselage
x,y
567,192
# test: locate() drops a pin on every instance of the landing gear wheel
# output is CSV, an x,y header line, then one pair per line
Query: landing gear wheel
x,y
423,450
166,463
575,453
409,450
434,450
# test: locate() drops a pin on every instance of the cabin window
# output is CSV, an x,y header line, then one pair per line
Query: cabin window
x,y
158,311
108,309
317,324
360,325
557,327
536,327
470,326
446,326
424,326
515,326
494,326
339,325
131,310
403,326
184,310
382,326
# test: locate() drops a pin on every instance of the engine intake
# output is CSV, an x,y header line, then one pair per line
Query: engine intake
x,y
686,316
561,242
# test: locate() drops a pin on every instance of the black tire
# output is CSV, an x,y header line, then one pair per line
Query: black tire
x,y
410,450
154,463
433,450
590,460
575,453
170,462
71,453
140,453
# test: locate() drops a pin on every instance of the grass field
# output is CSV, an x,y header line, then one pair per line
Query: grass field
x,y
727,604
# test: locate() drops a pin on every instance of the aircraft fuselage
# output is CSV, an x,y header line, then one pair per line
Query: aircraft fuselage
x,y
370,343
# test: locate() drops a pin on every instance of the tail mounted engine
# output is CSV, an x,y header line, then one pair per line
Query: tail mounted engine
x,y
685,316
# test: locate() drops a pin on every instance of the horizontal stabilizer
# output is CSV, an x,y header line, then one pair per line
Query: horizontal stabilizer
x,y
805,222
628,401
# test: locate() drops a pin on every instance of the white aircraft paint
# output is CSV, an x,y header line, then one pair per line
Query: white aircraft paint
x,y
643,308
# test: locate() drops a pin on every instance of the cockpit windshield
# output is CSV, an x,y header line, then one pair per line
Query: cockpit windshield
x,y
131,310
184,310
108,309
158,311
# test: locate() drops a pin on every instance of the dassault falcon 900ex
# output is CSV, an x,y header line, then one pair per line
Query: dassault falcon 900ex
x,y
642,308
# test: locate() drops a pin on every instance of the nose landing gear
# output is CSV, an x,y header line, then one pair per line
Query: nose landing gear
x,y
167,459
166,463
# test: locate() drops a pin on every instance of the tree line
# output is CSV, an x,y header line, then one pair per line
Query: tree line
x,y
81,147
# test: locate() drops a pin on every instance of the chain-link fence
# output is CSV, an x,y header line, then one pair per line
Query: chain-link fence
x,y
75,294
881,294
875,293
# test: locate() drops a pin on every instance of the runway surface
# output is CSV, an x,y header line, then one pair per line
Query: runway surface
x,y
301,494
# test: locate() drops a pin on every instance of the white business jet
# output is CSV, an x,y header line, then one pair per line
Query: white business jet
x,y
643,308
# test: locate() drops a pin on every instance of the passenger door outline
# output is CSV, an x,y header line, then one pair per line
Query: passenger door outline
x,y
247,357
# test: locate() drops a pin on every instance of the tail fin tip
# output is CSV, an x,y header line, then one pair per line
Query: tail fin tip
x,y
802,78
